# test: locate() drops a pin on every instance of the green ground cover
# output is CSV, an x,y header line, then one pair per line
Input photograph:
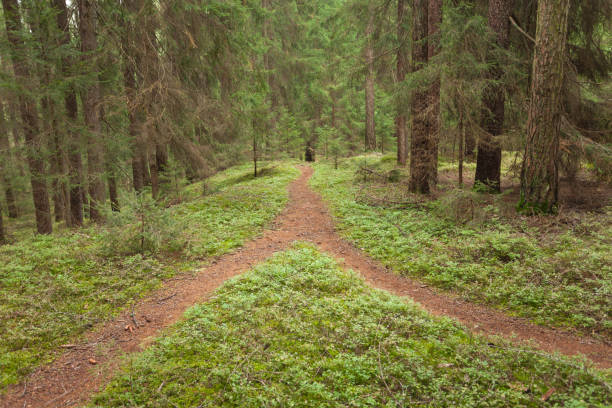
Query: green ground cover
x,y
563,278
298,331
53,288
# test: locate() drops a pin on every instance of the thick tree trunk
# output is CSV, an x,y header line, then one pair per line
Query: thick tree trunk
x,y
29,115
6,163
470,145
434,19
539,174
370,130
488,161
402,61
91,110
420,177
75,166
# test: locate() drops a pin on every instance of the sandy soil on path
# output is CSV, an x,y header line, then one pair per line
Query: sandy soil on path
x,y
84,368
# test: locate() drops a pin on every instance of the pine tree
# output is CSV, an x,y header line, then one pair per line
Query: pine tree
x,y
402,61
91,109
539,173
6,163
488,160
29,115
75,166
420,177
370,128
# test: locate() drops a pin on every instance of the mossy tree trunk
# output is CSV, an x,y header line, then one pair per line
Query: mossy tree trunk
x,y
540,174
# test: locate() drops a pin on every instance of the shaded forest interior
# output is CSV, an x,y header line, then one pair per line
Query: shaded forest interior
x,y
102,99
464,146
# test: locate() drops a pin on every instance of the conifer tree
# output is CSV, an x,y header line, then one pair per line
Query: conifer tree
x,y
370,127
420,177
91,108
402,61
540,173
72,146
488,160
29,116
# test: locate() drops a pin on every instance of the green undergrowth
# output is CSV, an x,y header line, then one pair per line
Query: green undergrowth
x,y
53,288
298,331
462,243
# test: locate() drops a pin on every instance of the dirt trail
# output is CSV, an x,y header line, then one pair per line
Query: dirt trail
x,y
72,378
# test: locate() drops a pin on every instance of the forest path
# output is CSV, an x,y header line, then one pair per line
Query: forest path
x,y
72,378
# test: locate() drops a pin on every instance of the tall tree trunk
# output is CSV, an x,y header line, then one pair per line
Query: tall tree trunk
x,y
75,165
400,116
57,160
434,19
6,163
540,174
488,160
420,177
131,61
91,110
370,131
29,115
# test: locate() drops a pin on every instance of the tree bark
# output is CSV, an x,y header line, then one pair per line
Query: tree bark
x,y
434,19
6,163
420,177
402,61
370,131
75,165
91,110
29,115
488,160
540,173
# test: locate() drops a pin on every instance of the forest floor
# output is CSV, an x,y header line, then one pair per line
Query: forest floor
x,y
86,367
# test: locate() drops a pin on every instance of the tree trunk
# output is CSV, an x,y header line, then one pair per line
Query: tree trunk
x,y
29,115
144,159
131,61
539,174
488,160
91,110
75,165
370,131
420,177
434,19
6,163
400,117
112,191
